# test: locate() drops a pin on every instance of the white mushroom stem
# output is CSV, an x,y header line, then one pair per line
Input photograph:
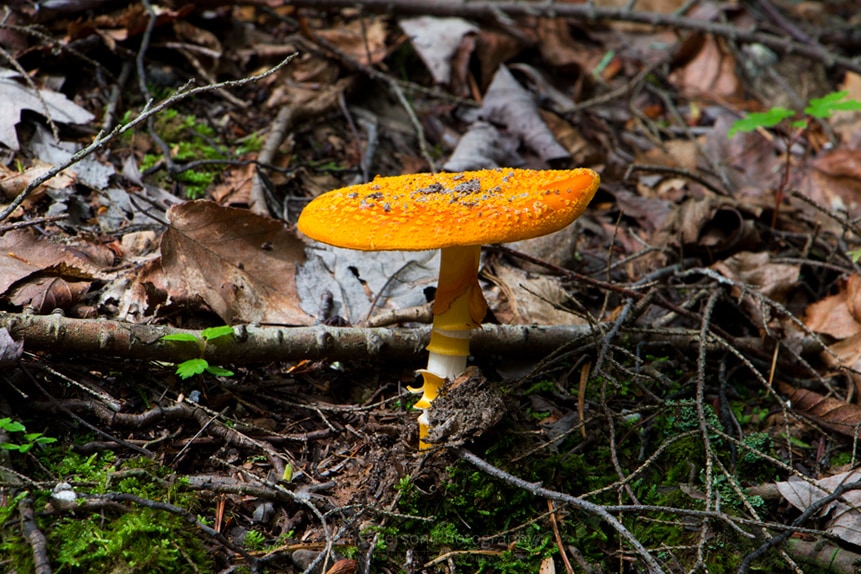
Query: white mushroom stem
x,y
459,307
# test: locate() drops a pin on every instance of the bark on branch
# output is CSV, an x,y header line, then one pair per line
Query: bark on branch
x,y
254,344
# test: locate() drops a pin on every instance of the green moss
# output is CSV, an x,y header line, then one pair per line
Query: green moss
x,y
143,540
138,539
189,140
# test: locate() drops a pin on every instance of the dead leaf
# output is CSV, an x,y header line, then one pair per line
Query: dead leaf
x,y
712,225
16,97
360,282
23,256
753,167
483,147
14,182
437,41
531,299
242,265
560,50
547,566
363,40
845,522
834,414
711,72
835,180
44,294
509,104
847,125
10,349
494,47
681,153
235,186
755,271
344,566
837,315
651,213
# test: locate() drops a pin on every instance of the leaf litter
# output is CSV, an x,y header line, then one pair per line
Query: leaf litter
x,y
687,243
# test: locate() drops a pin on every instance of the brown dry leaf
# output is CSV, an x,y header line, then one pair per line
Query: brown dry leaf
x,y
582,152
46,276
847,125
23,254
835,180
840,163
834,414
242,265
492,49
559,49
680,153
235,186
837,315
532,299
363,40
344,566
754,270
845,353
711,72
205,41
14,182
651,213
753,167
116,27
712,224
44,294
845,522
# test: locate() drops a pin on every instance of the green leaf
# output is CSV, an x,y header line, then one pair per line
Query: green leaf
x,y
823,107
767,119
181,337
219,372
10,446
216,332
191,367
9,425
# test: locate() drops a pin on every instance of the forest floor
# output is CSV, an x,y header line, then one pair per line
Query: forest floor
x,y
670,384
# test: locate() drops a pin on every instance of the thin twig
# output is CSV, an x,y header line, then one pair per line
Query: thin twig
x,y
574,501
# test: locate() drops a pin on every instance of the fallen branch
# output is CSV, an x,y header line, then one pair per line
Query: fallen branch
x,y
255,344
587,12
262,344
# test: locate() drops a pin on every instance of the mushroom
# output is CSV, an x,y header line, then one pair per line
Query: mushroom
x,y
457,213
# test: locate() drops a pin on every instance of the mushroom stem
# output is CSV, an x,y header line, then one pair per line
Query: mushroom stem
x,y
458,308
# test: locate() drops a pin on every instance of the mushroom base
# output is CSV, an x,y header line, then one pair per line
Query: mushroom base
x,y
459,306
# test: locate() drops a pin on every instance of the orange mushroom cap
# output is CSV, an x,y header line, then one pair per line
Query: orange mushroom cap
x,y
432,211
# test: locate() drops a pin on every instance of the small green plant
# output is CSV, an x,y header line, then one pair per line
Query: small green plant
x,y
254,540
797,126
818,108
29,439
198,366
